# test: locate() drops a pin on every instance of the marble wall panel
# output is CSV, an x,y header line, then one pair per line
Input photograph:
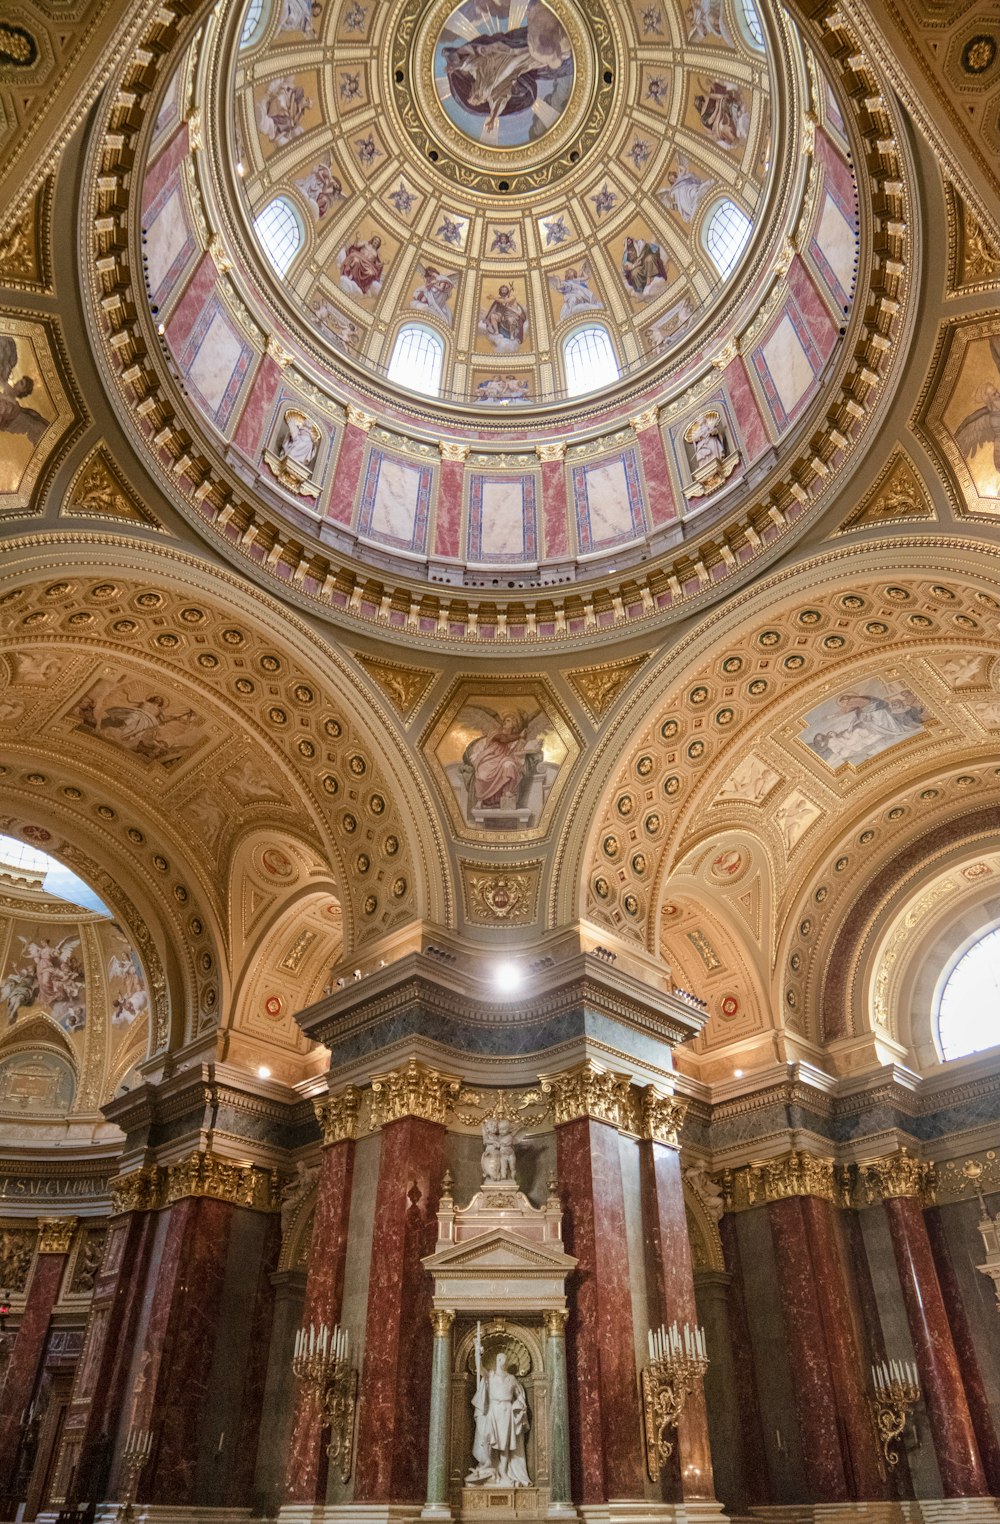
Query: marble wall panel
x,y
280,1392
751,1480
607,502
357,1267
554,510
395,501
21,1375
502,518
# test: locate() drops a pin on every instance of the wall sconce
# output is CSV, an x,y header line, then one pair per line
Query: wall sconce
x,y
322,1359
677,1360
897,1392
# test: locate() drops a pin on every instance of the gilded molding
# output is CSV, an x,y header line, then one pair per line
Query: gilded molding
x,y
337,1115
415,1091
898,1174
135,1192
793,1174
587,1090
152,1187
976,1175
55,1234
441,1320
662,1116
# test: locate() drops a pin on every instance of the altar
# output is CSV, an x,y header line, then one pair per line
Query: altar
x,y
499,1426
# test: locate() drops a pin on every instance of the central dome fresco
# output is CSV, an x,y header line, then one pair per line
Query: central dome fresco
x,y
451,193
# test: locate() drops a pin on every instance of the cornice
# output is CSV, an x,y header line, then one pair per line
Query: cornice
x,y
200,1174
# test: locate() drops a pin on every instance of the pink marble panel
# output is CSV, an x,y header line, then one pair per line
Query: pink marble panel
x,y
21,1375
391,1463
448,517
163,166
305,1477
249,433
659,488
203,282
603,1394
745,408
808,1354
752,1439
814,310
347,475
837,168
555,540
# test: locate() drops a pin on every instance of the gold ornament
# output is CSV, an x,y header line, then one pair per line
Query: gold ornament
x,y
55,1234
898,1174
415,1091
662,1116
794,1174
337,1115
590,1091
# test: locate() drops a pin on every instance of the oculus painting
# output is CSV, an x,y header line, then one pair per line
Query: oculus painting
x,y
863,721
503,71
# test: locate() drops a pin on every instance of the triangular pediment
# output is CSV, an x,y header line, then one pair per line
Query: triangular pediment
x,y
500,1252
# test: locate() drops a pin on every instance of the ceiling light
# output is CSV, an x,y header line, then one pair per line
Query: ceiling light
x,y
263,1072
508,977
738,1073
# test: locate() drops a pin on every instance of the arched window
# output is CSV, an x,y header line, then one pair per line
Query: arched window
x,y
418,360
751,23
588,360
280,231
969,1009
726,235
252,23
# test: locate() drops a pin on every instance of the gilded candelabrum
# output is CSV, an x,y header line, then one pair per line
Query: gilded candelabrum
x,y
677,1362
135,1453
897,1392
322,1358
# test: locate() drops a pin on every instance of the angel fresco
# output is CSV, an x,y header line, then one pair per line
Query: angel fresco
x,y
130,999
642,266
493,71
502,776
574,288
435,291
15,417
137,721
981,429
280,113
48,975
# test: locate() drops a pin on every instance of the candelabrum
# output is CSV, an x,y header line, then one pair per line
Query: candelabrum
x,y
135,1453
677,1361
322,1358
897,1392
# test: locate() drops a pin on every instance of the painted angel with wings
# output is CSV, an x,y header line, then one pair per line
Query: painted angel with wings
x,y
14,417
574,288
983,426
504,757
436,291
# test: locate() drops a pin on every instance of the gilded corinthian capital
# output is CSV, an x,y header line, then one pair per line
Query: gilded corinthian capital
x,y
794,1174
662,1116
898,1174
55,1234
415,1091
587,1090
337,1115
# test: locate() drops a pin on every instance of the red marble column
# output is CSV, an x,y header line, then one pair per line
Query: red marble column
x,y
670,1253
261,1319
808,1353
605,1419
965,1348
85,1457
755,1478
305,1476
943,1393
391,1464
21,1376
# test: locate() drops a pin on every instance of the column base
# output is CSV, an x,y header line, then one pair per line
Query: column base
x,y
349,1513
694,1511
167,1513
906,1511
436,1511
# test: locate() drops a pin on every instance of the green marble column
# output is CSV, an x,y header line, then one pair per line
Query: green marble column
x,y
437,1506
560,1503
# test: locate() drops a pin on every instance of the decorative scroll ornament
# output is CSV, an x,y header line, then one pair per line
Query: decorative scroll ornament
x,y
415,1091
137,1191
337,1115
677,1362
453,449
590,1091
899,1174
322,1360
55,1234
662,1116
503,896
551,449
794,1174
201,1174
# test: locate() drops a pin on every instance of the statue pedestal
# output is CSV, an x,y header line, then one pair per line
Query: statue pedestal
x,y
500,1503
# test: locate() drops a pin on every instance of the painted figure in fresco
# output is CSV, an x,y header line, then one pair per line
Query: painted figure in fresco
x,y
361,267
501,1414
642,265
502,759
342,331
436,291
299,16
144,726
280,113
502,389
724,114
982,428
50,976
15,418
684,190
131,999
705,19
321,188
505,321
497,73
574,288
865,724
668,328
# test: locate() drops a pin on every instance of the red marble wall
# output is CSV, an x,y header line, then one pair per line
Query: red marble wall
x,y
21,1375
391,1464
899,1482
605,1421
669,1252
752,1454
305,1477
943,1393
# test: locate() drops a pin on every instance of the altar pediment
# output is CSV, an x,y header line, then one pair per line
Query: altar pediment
x,y
499,1271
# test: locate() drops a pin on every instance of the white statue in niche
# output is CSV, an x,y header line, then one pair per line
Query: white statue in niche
x,y
501,1414
498,1160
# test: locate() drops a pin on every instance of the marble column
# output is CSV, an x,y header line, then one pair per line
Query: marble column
x,y
968,1355
391,1463
306,1470
943,1392
752,1453
607,1461
560,1494
24,1366
670,1246
438,1457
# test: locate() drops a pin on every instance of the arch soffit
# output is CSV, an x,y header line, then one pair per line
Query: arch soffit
x,y
640,760
367,748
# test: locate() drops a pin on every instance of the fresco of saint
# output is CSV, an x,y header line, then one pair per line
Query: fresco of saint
x,y
503,84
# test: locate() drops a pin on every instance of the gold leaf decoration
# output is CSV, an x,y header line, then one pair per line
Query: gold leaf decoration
x,y
597,688
404,687
99,491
